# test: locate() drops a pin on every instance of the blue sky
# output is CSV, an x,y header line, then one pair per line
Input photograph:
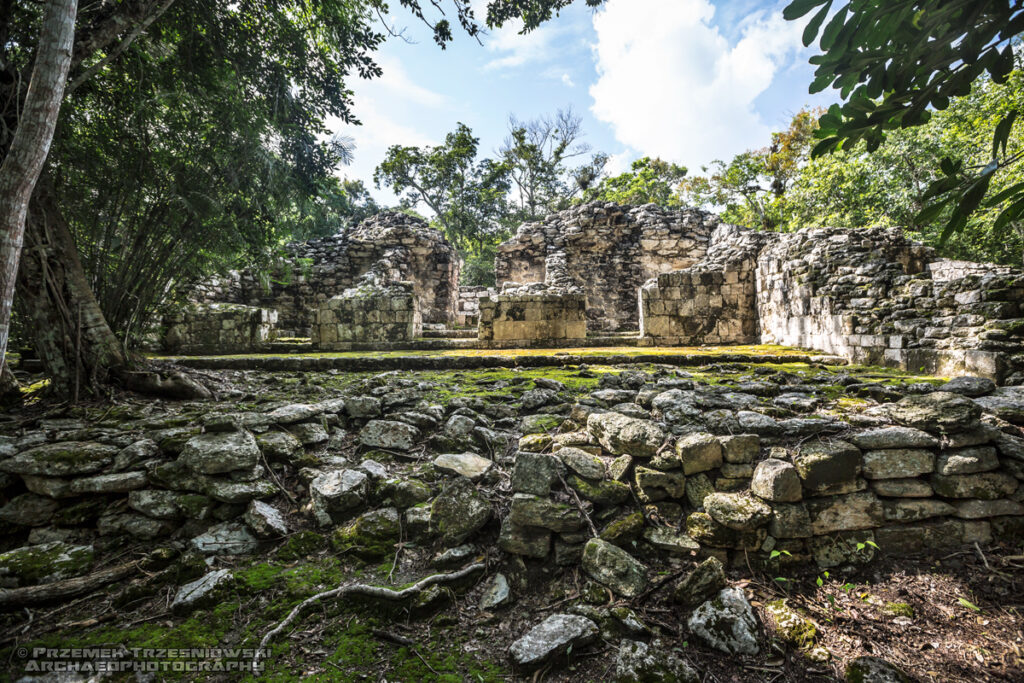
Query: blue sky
x,y
687,80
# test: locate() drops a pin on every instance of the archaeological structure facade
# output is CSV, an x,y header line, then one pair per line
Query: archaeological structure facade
x,y
601,273
378,282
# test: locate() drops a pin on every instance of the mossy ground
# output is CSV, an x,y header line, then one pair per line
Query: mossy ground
x,y
343,641
332,641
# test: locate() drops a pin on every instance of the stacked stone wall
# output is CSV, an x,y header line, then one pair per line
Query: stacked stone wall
x,y
929,472
468,312
368,314
553,311
402,246
875,297
530,317
610,251
219,328
712,302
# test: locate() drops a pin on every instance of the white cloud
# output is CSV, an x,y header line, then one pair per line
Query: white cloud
x,y
619,163
396,81
389,108
567,80
519,49
671,85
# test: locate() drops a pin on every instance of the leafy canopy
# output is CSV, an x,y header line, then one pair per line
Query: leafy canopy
x,y
649,181
894,62
467,196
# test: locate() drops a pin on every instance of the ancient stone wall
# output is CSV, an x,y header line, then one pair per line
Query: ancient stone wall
x,y
929,471
468,312
553,311
402,246
219,328
368,313
711,302
525,318
875,297
610,251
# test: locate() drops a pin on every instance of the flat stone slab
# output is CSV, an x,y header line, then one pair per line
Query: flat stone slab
x,y
201,591
229,538
388,434
61,459
469,465
552,637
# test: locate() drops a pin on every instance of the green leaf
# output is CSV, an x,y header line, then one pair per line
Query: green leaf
x,y
1005,194
798,8
811,30
955,223
1002,65
820,83
824,147
1002,134
832,29
969,605
1010,214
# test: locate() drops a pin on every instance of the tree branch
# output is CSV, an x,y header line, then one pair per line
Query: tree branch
x,y
121,47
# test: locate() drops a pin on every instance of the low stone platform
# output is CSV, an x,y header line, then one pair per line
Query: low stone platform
x,y
467,360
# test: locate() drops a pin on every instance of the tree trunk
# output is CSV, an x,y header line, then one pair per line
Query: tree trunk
x,y
71,335
30,145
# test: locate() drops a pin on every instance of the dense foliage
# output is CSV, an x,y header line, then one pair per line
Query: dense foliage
x,y
894,63
648,181
784,187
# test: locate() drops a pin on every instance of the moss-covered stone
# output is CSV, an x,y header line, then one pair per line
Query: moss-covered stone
x,y
706,531
371,535
300,544
604,493
790,626
623,531
44,563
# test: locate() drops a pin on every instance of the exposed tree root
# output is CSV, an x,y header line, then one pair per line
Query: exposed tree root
x,y
174,385
13,598
367,590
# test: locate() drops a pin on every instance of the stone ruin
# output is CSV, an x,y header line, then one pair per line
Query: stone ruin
x,y
608,251
869,295
364,266
601,273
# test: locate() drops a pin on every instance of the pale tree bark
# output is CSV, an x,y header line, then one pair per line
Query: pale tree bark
x,y
30,145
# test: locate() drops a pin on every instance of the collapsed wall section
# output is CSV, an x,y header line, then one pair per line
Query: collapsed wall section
x,y
468,313
553,311
609,251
